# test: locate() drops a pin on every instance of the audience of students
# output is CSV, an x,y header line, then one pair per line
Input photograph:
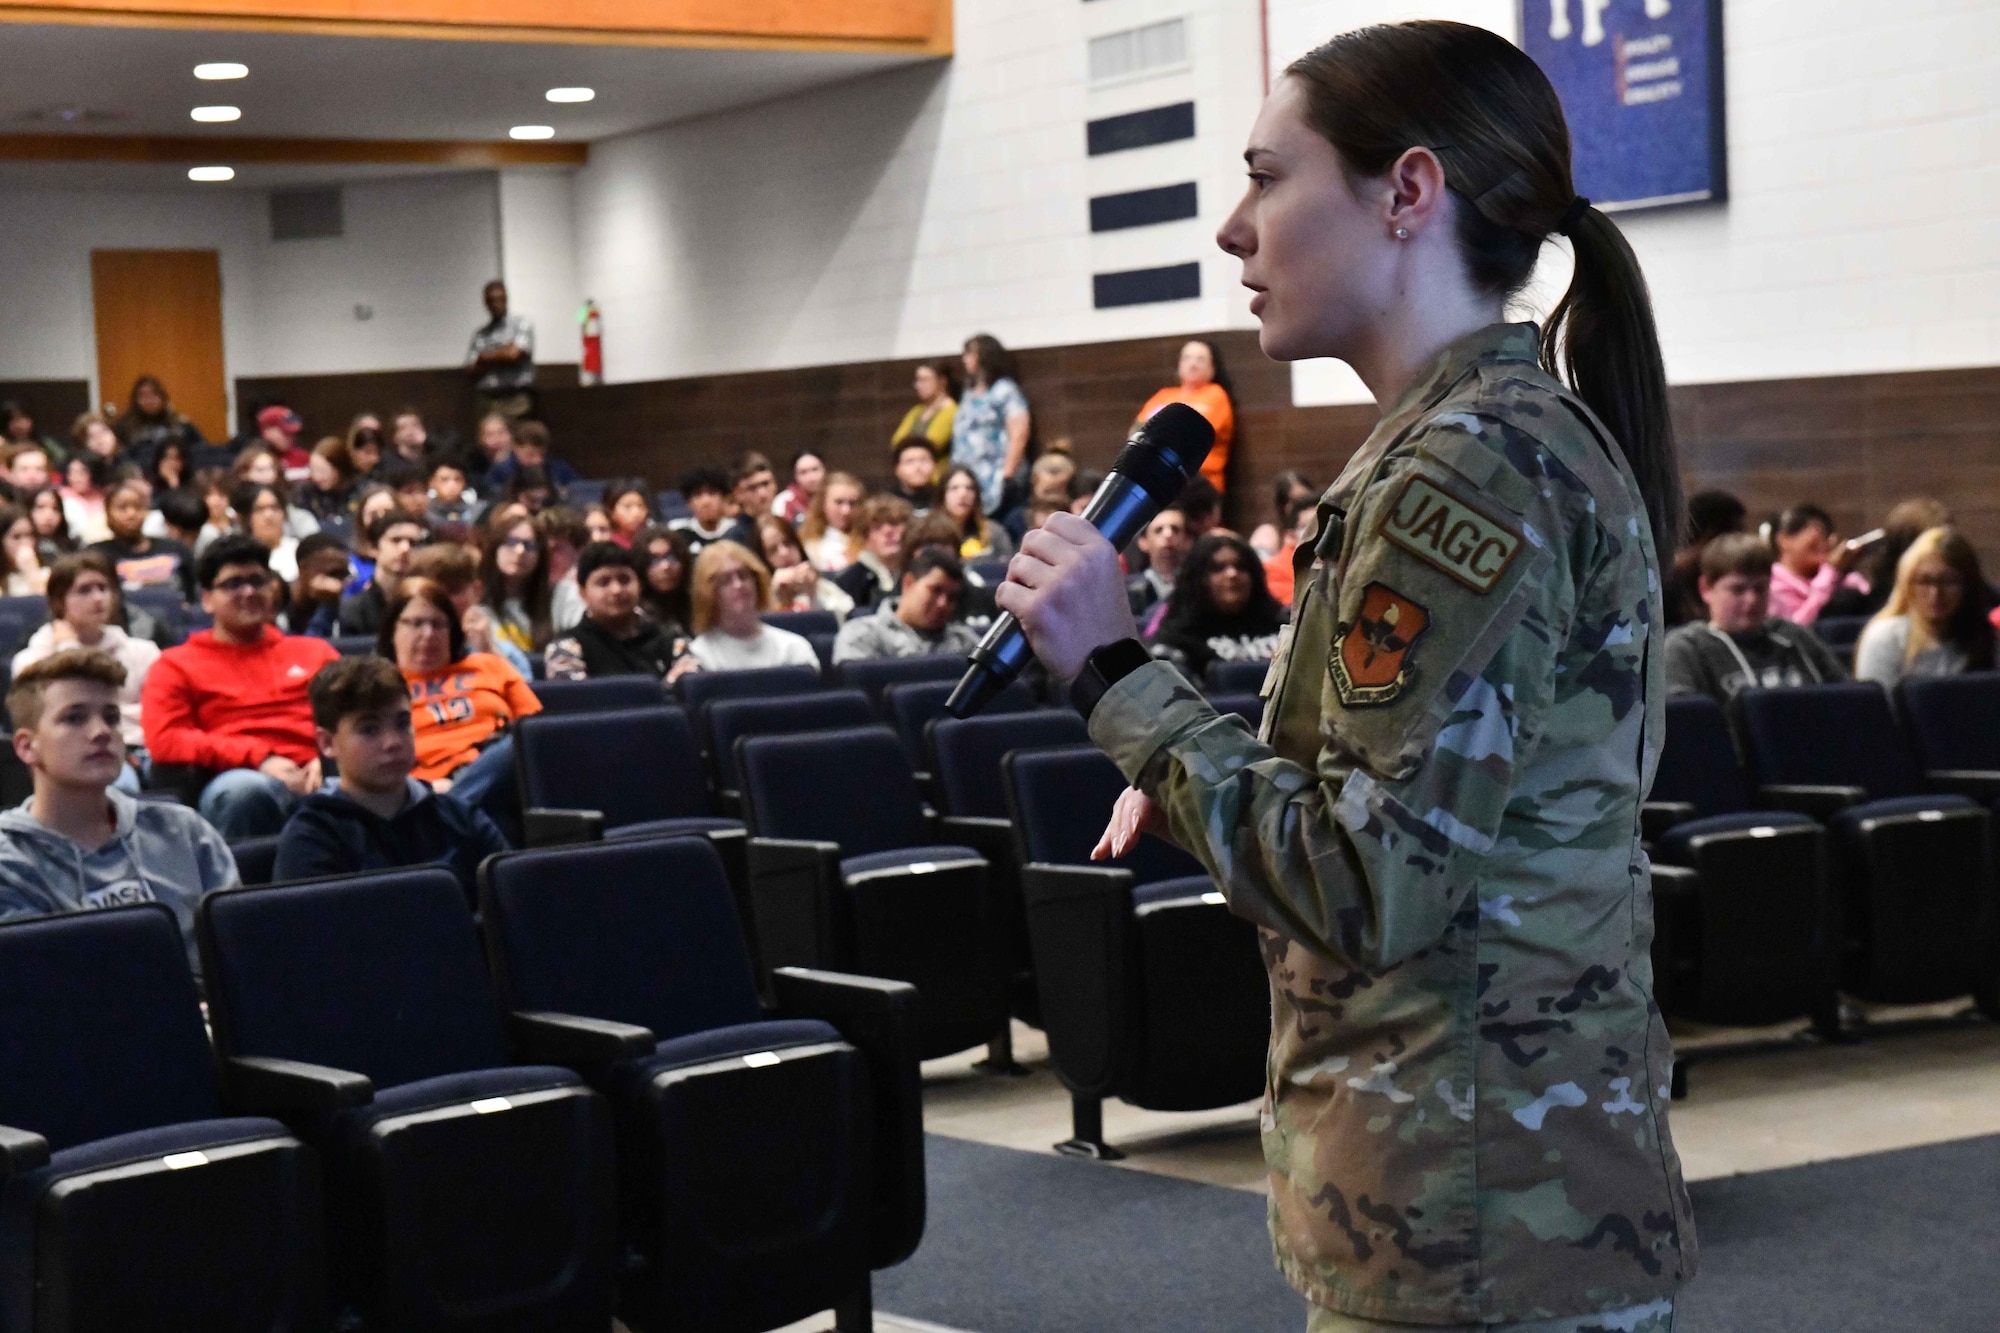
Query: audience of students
x,y
1300,514
1741,644
1935,622
314,605
708,492
669,568
83,613
450,504
54,538
1812,562
462,702
18,430
731,590
27,576
260,511
916,470
150,424
84,478
454,567
79,844
1202,383
753,486
1165,544
920,621
379,816
143,561
1287,486
1220,609
515,581
980,538
563,539
613,638
233,698
170,468
628,505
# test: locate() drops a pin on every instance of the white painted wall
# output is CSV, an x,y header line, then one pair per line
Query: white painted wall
x,y
415,252
1862,233
538,259
895,215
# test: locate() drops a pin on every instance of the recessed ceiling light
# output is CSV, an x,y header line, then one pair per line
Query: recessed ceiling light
x,y
532,132
570,94
211,173
216,115
221,69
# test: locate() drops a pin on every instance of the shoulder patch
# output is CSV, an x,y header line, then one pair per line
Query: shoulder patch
x,y
1367,666
1450,533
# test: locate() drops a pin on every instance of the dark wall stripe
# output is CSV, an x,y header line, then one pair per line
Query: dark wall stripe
x,y
1144,286
1141,129
1142,208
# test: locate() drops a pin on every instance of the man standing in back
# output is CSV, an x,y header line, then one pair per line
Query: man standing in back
x,y
501,360
234,697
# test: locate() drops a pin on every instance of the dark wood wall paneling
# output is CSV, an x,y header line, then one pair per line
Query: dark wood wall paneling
x,y
328,403
1853,444
54,404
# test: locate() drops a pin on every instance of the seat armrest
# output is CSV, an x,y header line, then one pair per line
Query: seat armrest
x,y
1819,802
1674,881
1980,784
1080,924
542,826
879,1019
991,838
21,1151
262,1085
1046,882
1657,818
573,1040
793,887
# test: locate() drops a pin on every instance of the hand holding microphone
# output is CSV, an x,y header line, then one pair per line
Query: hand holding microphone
x,y
1064,595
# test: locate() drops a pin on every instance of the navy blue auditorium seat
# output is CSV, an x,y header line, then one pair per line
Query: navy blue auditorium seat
x,y
1746,926
1237,677
964,757
604,695
354,645
465,1193
768,1160
128,1199
700,687
847,873
873,675
1841,633
912,705
1914,869
724,720
1151,990
804,622
256,858
1954,723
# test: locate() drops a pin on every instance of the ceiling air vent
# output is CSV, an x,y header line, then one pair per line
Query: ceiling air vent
x,y
305,215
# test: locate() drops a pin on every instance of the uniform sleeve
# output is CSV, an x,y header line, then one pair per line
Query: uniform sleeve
x,y
173,733
1441,665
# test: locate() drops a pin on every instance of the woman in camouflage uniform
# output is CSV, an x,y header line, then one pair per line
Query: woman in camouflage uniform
x,y
1438,830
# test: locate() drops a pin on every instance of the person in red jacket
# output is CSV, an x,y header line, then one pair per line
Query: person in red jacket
x,y
234,698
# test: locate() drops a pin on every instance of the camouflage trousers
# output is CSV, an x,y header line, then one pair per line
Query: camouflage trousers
x,y
1653,1317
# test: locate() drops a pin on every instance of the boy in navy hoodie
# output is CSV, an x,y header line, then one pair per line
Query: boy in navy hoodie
x,y
378,817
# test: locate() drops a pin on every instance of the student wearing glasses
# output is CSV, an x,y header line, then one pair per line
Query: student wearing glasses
x,y
515,579
233,697
1935,623
732,587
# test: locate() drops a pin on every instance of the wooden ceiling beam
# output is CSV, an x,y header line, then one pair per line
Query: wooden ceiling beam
x,y
234,151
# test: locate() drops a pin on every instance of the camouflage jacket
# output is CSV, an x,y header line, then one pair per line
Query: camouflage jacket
x,y
1438,831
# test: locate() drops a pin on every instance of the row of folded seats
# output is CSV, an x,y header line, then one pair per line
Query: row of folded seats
x,y
1824,841
395,1130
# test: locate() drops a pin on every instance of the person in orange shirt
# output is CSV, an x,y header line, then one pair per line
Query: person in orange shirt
x,y
1204,386
461,704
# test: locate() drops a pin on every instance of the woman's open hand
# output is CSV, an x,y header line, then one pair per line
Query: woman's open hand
x,y
1134,813
1067,591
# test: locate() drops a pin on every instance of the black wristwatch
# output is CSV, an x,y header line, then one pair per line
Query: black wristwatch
x,y
1103,669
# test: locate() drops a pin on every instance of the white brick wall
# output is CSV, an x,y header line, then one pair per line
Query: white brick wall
x,y
1862,232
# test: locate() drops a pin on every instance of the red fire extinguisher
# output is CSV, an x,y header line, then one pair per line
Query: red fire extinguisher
x,y
592,370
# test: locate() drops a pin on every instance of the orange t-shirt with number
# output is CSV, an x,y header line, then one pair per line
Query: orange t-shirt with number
x,y
1212,401
456,710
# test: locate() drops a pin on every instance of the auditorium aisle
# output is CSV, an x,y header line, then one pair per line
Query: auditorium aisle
x,y
1022,1241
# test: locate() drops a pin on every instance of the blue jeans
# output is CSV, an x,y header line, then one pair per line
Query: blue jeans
x,y
244,803
487,785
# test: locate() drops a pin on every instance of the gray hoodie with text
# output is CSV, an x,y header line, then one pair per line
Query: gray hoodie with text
x,y
159,853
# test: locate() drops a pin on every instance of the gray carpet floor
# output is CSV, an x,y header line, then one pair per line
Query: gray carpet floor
x,y
1902,1242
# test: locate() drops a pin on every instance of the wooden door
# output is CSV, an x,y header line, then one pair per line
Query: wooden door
x,y
159,312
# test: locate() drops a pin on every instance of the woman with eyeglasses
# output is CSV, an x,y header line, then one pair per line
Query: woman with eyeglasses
x,y
461,703
663,594
732,588
1935,623
515,577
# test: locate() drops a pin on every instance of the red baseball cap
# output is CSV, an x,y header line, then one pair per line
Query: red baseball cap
x,y
279,416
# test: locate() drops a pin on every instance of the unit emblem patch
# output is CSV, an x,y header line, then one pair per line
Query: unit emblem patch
x,y
1368,664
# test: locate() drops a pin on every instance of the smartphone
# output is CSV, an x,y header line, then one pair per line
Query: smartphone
x,y
1868,538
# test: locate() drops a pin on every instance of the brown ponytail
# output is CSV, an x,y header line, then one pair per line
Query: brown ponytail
x,y
1489,113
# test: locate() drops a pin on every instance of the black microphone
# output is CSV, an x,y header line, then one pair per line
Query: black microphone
x,y
1163,453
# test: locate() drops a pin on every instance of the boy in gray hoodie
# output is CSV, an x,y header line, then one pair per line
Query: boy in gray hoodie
x,y
79,844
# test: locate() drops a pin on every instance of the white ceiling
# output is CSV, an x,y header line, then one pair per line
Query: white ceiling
x,y
141,81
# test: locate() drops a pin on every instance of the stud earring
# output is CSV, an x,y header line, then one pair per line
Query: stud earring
x,y
1402,233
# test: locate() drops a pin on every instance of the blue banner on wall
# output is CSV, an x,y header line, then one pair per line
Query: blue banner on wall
x,y
1641,83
